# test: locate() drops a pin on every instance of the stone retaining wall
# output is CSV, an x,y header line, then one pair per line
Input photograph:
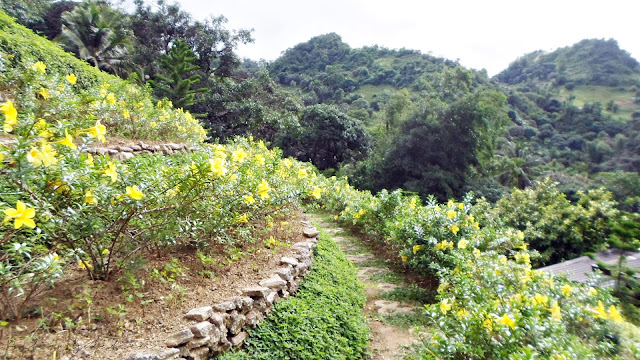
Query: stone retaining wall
x,y
213,329
125,152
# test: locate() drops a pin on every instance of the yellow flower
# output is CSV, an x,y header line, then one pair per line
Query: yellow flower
x,y
10,115
507,320
593,291
134,193
111,171
442,287
111,99
44,92
540,299
89,198
454,229
46,157
404,258
460,206
263,189
445,306
600,312
153,124
412,203
302,173
125,113
21,215
566,290
316,192
488,324
259,159
555,311
476,253
105,252
451,214
67,141
239,155
98,131
39,67
249,200
614,314
416,248
243,219
272,240
462,244
84,265
218,167
71,79
287,163
89,160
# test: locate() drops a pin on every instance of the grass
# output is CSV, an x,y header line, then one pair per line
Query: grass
x,y
388,277
623,96
405,321
410,294
324,320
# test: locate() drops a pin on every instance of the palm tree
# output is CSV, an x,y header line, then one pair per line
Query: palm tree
x,y
98,35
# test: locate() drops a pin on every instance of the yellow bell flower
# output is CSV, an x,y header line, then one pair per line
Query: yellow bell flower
x,y
134,193
462,244
111,99
555,311
454,229
39,67
451,214
97,131
566,290
111,171
67,141
89,198
404,258
263,189
44,92
218,167
10,115
105,252
445,306
239,155
249,200
302,173
21,215
243,219
614,314
316,192
507,320
89,160
416,248
259,159
71,79
540,299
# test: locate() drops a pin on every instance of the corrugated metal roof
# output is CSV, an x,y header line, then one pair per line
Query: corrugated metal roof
x,y
579,269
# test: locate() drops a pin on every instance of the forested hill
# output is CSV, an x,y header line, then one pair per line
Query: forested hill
x,y
589,62
571,116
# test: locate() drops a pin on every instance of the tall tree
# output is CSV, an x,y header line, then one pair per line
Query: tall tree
x,y
99,35
177,80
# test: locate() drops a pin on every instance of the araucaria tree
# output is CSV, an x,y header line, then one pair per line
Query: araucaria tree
x,y
177,78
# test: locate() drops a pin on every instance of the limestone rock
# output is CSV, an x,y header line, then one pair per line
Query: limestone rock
x,y
201,353
202,329
288,260
161,355
310,232
224,306
247,304
256,291
237,322
200,314
285,273
216,319
274,282
196,343
179,338
239,339
253,318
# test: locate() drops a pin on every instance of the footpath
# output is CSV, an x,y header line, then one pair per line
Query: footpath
x,y
393,306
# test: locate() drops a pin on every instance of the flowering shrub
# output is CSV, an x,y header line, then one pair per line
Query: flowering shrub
x,y
491,303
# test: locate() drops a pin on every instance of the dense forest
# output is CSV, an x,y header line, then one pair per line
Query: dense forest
x,y
547,151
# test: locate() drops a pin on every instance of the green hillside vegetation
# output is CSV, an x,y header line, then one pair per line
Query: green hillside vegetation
x,y
412,132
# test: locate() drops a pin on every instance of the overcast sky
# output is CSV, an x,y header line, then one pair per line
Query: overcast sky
x,y
485,34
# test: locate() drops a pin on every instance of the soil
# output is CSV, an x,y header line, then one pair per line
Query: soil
x,y
84,319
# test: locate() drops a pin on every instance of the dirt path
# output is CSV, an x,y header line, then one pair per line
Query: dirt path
x,y
390,320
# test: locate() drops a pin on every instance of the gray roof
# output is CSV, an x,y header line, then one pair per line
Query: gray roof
x,y
579,269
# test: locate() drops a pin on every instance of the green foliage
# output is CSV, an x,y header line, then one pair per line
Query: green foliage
x,y
176,78
323,321
99,35
326,137
557,228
